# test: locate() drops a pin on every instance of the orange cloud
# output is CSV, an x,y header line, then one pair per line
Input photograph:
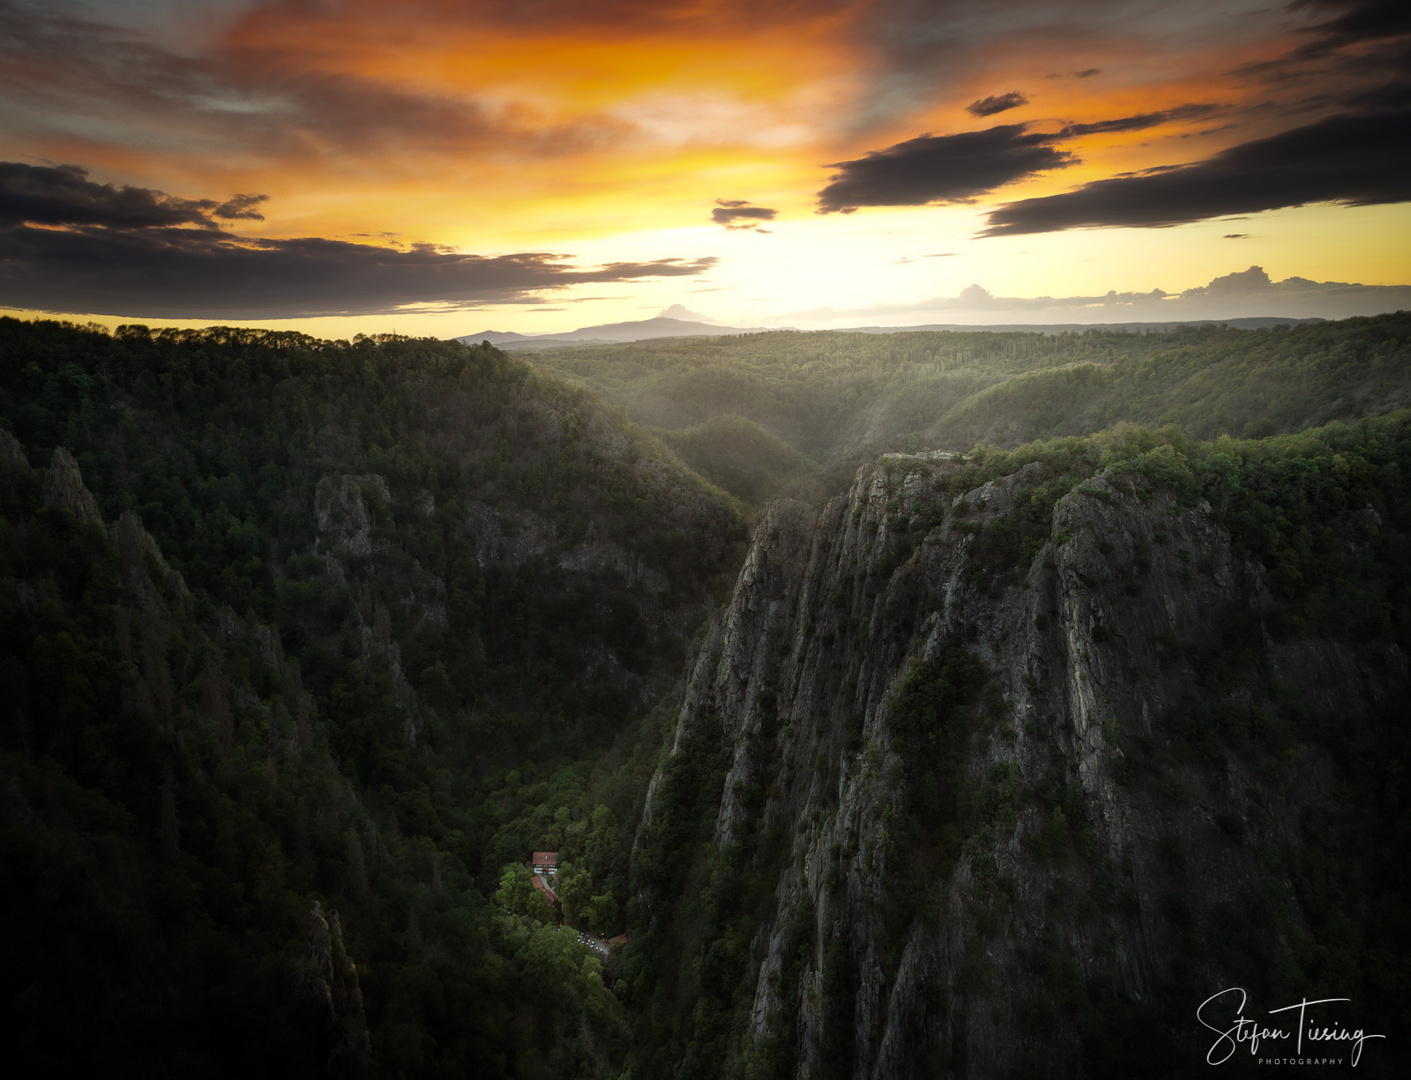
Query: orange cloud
x,y
568,55
503,126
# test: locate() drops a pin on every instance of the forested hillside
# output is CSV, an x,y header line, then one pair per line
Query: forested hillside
x,y
307,645
287,620
798,413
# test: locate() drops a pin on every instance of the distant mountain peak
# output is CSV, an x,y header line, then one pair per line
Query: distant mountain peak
x,y
670,323
680,311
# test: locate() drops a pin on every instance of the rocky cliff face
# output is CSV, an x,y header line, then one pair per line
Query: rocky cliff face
x,y
980,869
393,597
327,997
64,488
12,454
148,604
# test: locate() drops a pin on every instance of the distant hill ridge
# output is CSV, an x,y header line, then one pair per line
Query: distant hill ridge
x,y
738,410
1258,322
659,327
610,333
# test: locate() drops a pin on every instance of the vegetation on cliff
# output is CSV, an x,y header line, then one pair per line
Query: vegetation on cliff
x,y
952,809
285,621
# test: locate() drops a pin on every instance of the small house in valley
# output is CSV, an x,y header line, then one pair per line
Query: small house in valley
x,y
549,897
544,863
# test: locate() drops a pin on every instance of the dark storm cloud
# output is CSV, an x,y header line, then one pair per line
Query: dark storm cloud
x,y
941,169
1355,160
1372,25
1141,121
1391,96
241,207
739,214
63,195
1358,21
70,245
996,104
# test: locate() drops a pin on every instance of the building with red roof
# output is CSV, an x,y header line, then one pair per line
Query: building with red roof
x,y
549,894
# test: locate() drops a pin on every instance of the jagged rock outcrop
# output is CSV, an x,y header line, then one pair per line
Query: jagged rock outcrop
x,y
328,999
344,518
362,522
512,535
12,455
1089,849
64,488
144,569
348,508
16,477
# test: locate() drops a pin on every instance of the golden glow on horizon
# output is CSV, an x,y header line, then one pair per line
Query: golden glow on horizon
x,y
494,129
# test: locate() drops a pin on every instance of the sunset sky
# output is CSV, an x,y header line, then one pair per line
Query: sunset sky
x,y
451,166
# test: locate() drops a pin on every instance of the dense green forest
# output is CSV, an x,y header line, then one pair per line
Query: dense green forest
x,y
311,686
363,623
797,413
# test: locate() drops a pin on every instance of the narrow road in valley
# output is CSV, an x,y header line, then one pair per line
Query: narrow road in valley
x,y
597,944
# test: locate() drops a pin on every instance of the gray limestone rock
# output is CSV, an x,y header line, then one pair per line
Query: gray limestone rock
x,y
327,997
1100,636
64,488
12,455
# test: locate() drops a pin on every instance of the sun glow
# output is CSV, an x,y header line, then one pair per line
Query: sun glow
x,y
609,133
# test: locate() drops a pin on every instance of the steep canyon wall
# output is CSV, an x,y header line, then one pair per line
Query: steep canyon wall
x,y
1019,810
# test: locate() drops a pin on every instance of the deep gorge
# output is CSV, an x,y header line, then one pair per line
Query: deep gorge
x,y
996,761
